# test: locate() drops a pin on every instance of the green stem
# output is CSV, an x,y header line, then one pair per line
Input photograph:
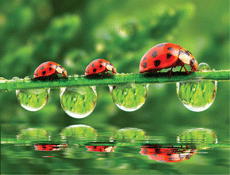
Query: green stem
x,y
11,85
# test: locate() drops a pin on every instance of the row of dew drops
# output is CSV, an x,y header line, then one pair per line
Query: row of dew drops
x,y
79,102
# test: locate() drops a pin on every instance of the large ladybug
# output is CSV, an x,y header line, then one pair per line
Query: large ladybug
x,y
49,68
99,66
167,55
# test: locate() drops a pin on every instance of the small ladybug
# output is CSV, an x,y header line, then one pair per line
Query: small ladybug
x,y
99,66
49,69
167,55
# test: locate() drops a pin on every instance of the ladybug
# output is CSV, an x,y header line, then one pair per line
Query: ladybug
x,y
49,68
99,66
167,55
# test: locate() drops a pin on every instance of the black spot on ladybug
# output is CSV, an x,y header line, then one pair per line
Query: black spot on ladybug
x,y
44,72
145,64
101,62
88,71
169,55
161,45
157,63
50,68
100,65
144,59
42,67
93,65
36,74
170,48
51,64
154,54
94,70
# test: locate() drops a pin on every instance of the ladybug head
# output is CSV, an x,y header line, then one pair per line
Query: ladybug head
x,y
110,67
61,70
64,73
114,71
194,65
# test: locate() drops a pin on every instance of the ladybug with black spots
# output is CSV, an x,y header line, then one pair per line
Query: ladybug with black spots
x,y
50,69
167,55
99,66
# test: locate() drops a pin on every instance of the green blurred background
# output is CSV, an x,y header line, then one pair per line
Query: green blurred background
x,y
75,32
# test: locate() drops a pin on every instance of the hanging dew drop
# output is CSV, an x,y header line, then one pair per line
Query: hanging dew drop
x,y
33,99
129,97
78,102
197,95
199,99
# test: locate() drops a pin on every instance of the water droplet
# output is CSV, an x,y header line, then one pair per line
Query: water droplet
x,y
129,97
16,79
2,80
203,67
197,96
32,99
78,102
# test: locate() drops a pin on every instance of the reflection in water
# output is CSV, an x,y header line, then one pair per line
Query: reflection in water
x,y
168,153
33,134
49,147
200,136
79,132
130,134
101,148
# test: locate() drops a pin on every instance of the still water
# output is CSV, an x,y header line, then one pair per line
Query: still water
x,y
82,149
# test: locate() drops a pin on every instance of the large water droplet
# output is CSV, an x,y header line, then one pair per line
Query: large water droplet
x,y
78,102
32,99
129,97
197,96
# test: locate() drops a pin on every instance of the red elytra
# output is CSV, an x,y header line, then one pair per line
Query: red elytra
x,y
167,55
49,68
99,66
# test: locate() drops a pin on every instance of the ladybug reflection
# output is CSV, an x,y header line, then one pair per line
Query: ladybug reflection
x,y
101,148
167,153
49,147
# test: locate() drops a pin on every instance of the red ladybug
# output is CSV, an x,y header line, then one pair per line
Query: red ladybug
x,y
49,69
99,66
167,55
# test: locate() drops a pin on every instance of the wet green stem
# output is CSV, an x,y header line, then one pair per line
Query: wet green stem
x,y
11,85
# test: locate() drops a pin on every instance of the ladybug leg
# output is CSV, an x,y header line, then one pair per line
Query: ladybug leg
x,y
186,70
181,68
51,77
170,72
108,73
101,74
